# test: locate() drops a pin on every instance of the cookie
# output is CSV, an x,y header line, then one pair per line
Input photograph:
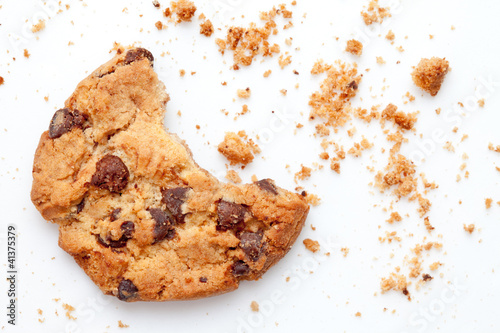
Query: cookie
x,y
136,212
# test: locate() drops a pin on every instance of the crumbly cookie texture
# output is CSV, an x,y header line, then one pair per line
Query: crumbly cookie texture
x,y
430,73
134,209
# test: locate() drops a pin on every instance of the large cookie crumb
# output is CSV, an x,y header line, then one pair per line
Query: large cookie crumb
x,y
430,73
238,148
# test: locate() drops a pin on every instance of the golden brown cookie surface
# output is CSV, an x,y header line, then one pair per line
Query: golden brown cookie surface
x,y
136,212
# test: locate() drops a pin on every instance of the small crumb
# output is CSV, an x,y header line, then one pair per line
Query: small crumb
x,y
233,176
304,173
390,36
469,228
487,202
122,325
156,4
395,217
429,74
38,27
267,73
493,148
254,306
374,13
69,309
207,28
311,245
182,72
380,61
284,61
481,102
345,251
358,314
283,92
244,93
354,47
26,53
1,80
159,25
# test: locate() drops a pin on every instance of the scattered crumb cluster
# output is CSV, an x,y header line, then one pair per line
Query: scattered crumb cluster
x,y
374,13
247,43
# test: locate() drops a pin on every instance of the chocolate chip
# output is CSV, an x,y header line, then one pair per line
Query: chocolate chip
x,y
163,228
427,277
63,121
115,214
240,268
127,290
267,185
203,279
251,244
138,54
353,85
128,229
111,174
230,216
174,198
122,242
80,206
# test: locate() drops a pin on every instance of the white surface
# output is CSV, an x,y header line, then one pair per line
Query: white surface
x,y
351,211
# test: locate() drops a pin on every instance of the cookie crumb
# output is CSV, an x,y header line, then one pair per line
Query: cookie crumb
x,y
159,25
182,72
380,61
254,306
26,54
38,27
345,251
374,13
429,74
493,148
487,202
311,245
207,28
304,173
1,80
69,309
354,47
390,36
244,93
184,9
358,314
122,325
480,102
238,149
233,176
267,73
395,217
469,228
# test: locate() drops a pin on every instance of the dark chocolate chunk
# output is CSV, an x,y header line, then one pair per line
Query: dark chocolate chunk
x,y
138,54
112,243
267,185
128,229
230,216
163,228
127,290
115,214
353,85
240,268
251,244
427,277
63,121
203,279
80,206
174,198
111,174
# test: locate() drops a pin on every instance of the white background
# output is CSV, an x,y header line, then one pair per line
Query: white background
x,y
323,293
